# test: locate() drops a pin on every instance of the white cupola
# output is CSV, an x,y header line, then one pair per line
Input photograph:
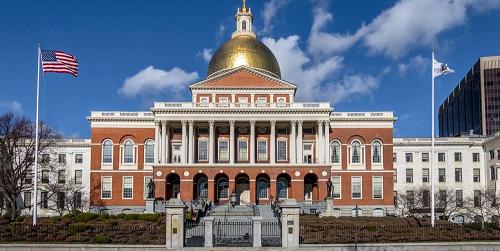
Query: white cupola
x,y
244,22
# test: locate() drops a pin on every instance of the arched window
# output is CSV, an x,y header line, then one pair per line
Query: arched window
x,y
107,152
149,152
222,188
128,152
282,188
262,188
335,152
203,188
244,25
376,152
356,152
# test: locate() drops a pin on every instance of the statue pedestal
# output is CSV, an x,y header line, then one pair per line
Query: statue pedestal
x,y
150,205
329,212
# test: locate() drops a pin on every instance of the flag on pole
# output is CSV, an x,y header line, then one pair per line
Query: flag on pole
x,y
59,62
439,69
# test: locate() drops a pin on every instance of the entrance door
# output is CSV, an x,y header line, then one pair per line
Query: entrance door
x,y
308,152
243,190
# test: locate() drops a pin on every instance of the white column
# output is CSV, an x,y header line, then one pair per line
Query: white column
x,y
231,142
327,141
211,142
184,142
163,141
319,143
300,158
293,145
252,142
157,142
167,144
272,142
191,142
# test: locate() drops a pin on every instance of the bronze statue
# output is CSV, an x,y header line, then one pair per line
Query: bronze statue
x,y
151,189
330,188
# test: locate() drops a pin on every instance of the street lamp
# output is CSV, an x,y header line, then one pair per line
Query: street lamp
x,y
233,200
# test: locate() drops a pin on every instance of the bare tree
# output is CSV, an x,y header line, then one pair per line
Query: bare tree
x,y
17,156
66,197
417,202
482,206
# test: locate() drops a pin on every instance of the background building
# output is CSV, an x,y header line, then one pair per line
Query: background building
x,y
474,104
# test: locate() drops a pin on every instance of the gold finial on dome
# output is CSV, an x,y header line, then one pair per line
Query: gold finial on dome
x,y
244,7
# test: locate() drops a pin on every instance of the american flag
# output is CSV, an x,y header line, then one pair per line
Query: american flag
x,y
60,62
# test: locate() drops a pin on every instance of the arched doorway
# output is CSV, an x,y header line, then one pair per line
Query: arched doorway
x,y
200,186
310,187
173,186
283,186
242,188
262,188
221,188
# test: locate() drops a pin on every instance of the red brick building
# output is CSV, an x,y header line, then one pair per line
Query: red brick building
x,y
242,133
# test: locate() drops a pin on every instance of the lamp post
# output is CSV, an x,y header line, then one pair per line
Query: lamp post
x,y
233,200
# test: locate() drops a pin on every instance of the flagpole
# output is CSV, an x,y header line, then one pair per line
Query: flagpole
x,y
432,145
35,189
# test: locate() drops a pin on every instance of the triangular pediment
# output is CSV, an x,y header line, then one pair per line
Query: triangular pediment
x,y
243,77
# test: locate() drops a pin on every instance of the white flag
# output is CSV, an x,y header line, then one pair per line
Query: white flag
x,y
439,69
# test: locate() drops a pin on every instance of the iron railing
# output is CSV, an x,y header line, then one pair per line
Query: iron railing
x,y
271,233
233,234
194,234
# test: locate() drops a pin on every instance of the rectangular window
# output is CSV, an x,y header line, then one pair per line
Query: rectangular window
x,y
425,157
106,187
27,199
493,173
44,199
61,176
203,150
378,184
77,197
475,157
442,175
128,183
224,101
242,150
61,199
281,101
409,157
426,198
223,150
79,158
410,198
477,198
261,150
78,177
394,157
425,175
282,150
492,154
409,175
149,152
62,158
459,198
458,174
476,177
45,176
337,186
356,187
458,157
261,101
442,199
45,158
395,176
146,182
203,130
243,101
441,157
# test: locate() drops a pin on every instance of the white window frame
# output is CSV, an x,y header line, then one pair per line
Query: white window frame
x,y
339,152
111,187
361,164
145,145
360,187
239,150
277,149
281,102
266,154
381,187
224,101
173,152
203,140
243,101
337,190
204,101
123,188
223,157
267,189
102,153
381,153
261,101
146,182
134,154
81,177
277,182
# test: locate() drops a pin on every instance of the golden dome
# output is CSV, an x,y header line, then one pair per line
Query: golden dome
x,y
244,50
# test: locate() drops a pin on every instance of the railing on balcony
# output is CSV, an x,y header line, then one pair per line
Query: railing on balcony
x,y
162,105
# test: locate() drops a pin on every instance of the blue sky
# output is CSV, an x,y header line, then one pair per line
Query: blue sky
x,y
360,55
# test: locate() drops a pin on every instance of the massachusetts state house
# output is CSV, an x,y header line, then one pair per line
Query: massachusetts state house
x,y
243,133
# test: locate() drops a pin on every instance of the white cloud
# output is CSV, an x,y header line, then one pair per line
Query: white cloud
x,y
152,80
352,86
408,24
207,54
416,64
269,11
12,106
